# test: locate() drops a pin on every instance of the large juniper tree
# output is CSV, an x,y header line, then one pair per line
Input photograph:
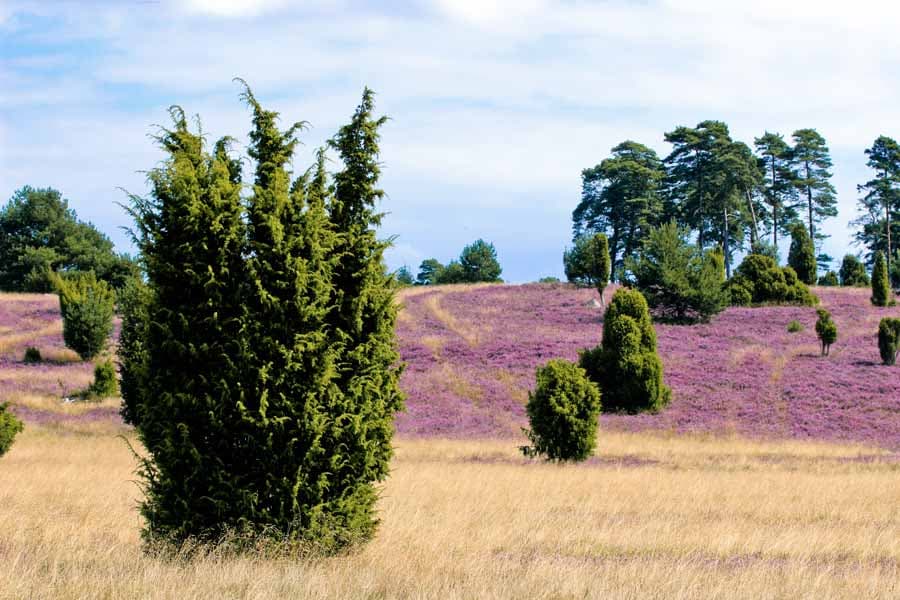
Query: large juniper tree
x,y
361,323
267,381
191,235
812,178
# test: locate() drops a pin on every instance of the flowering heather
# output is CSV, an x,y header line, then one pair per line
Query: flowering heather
x,y
471,355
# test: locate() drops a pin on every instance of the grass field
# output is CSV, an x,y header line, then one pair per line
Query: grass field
x,y
649,517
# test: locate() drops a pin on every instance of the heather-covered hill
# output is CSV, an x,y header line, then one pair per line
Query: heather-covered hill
x,y
472,351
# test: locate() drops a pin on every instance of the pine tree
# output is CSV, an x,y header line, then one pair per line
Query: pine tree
x,y
881,199
777,161
812,178
802,255
881,288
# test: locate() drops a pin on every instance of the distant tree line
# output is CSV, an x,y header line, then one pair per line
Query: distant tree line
x,y
715,187
40,235
476,263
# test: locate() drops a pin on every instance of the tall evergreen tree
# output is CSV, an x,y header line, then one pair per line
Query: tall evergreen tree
x,y
191,235
880,202
691,166
361,322
776,158
621,198
812,178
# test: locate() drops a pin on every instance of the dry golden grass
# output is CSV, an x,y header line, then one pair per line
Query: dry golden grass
x,y
652,517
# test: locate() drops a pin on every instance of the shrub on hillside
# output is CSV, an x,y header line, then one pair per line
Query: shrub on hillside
x,y
759,280
626,366
889,339
826,330
680,282
802,254
10,426
584,263
794,326
562,411
87,306
104,384
881,287
853,272
829,279
32,355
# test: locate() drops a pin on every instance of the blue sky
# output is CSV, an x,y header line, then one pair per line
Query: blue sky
x,y
495,106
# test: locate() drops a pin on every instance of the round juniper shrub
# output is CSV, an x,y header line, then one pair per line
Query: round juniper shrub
x,y
794,326
562,411
9,427
826,330
32,355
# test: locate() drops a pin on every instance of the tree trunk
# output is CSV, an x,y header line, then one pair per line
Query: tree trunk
x,y
725,247
754,231
613,252
809,200
774,209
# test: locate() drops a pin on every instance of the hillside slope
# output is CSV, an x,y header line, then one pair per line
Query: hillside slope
x,y
472,352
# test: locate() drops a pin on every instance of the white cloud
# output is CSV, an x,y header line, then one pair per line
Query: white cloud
x,y
509,100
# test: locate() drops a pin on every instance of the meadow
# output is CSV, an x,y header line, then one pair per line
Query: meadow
x,y
774,473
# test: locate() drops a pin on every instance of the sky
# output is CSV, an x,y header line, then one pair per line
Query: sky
x,y
495,106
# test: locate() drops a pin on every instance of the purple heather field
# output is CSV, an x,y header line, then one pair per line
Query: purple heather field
x,y
471,352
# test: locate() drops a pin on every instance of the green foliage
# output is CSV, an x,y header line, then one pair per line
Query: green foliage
x,y
889,339
404,276
778,183
562,411
87,306
853,272
759,280
878,227
588,262
10,426
802,254
452,273
40,234
259,362
549,279
133,302
479,262
826,330
32,355
765,249
894,274
881,288
626,366
430,271
104,384
680,282
811,162
829,279
794,326
622,198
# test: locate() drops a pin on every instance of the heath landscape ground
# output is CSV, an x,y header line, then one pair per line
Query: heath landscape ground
x,y
774,473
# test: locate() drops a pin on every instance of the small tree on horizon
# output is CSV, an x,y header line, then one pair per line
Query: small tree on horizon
x,y
853,272
601,263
